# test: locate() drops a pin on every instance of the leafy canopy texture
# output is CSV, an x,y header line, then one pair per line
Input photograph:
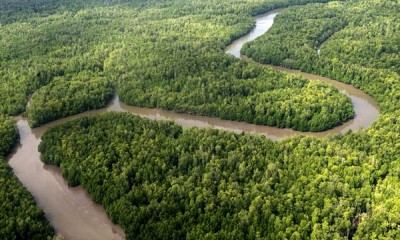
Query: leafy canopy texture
x,y
71,57
161,182
168,184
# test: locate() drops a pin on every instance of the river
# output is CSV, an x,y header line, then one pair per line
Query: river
x,y
72,212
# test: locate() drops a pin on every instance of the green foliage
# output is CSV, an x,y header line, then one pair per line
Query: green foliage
x,y
243,92
20,10
19,216
221,185
380,220
164,54
358,42
8,134
158,182
383,221
63,98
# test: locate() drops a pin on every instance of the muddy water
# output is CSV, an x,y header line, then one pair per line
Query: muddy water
x,y
263,24
72,212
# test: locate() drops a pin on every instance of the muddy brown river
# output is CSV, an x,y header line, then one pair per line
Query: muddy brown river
x,y
72,212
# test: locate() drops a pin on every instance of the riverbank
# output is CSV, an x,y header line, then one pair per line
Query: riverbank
x,y
71,210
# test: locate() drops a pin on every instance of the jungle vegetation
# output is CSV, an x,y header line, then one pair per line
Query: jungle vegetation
x,y
156,54
159,181
212,184
358,43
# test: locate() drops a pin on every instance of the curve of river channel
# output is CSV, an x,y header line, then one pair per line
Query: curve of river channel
x,y
72,212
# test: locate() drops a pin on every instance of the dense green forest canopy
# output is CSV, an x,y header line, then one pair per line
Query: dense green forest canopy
x,y
19,216
68,58
213,184
8,134
358,43
161,182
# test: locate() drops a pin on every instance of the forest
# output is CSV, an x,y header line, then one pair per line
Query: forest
x,y
159,181
357,43
213,184
8,134
20,218
67,62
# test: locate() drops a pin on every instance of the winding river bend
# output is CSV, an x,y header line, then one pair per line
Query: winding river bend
x,y
365,107
72,212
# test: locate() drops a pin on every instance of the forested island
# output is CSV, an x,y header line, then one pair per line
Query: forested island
x,y
160,181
